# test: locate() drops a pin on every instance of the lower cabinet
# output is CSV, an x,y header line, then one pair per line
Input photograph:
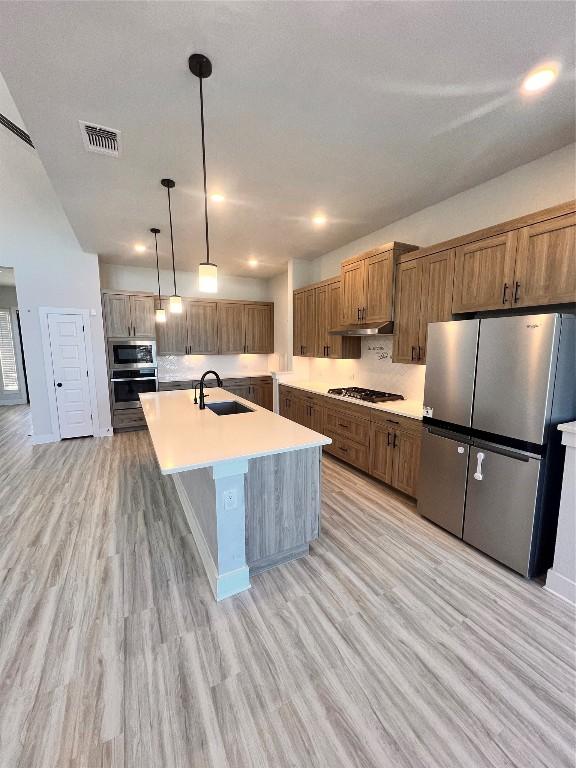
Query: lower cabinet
x,y
384,445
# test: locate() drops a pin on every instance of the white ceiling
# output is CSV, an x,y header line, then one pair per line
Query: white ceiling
x,y
369,111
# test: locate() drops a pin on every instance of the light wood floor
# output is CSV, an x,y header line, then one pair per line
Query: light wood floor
x,y
392,644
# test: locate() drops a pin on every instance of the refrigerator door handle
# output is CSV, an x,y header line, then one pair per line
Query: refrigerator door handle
x,y
478,474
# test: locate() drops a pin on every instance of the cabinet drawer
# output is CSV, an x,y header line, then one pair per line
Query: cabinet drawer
x,y
167,386
392,421
348,426
129,418
354,453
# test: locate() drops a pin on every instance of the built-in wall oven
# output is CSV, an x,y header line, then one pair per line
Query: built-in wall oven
x,y
128,385
131,354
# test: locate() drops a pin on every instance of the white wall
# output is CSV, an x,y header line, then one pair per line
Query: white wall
x,y
50,267
548,181
121,278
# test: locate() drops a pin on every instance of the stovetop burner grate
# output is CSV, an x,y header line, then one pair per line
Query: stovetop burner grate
x,y
368,395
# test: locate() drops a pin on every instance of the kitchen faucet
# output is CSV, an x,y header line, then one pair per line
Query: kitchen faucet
x,y
202,395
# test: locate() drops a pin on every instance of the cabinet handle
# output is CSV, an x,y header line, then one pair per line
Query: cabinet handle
x,y
504,292
344,426
328,351
358,313
420,352
413,353
391,421
388,436
341,448
395,443
517,292
364,313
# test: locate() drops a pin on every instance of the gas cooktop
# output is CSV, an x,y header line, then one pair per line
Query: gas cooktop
x,y
368,395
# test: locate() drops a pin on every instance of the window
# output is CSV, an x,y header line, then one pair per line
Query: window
x,y
8,368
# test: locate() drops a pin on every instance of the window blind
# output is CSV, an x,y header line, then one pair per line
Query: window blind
x,y
8,370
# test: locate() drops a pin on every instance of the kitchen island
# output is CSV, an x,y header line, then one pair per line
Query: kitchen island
x,y
249,482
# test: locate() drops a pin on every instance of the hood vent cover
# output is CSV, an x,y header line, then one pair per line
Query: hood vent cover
x,y
97,138
380,328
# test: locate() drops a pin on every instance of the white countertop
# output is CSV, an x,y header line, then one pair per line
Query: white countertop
x,y
412,409
184,437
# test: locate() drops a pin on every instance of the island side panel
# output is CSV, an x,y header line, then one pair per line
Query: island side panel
x,y
282,506
201,492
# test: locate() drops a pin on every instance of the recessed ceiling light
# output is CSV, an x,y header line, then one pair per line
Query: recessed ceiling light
x,y
319,220
217,198
139,248
540,78
252,262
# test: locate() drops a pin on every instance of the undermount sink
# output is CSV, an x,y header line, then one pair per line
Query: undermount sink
x,y
228,407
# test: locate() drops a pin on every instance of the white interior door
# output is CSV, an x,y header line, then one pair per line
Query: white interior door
x,y
70,369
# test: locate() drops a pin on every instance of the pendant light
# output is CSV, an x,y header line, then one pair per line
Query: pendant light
x,y
201,66
160,313
175,301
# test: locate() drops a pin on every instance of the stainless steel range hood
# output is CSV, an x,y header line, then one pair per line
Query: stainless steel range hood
x,y
380,328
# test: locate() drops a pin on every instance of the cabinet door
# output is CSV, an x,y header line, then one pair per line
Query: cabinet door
x,y
284,403
298,320
379,287
259,320
484,273
231,328
310,323
382,453
353,279
142,315
172,336
202,329
335,319
406,461
407,312
117,314
546,263
436,305
322,340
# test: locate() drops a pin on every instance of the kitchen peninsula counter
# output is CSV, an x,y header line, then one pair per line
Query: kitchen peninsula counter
x,y
249,483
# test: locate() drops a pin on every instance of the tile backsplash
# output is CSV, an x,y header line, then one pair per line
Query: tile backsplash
x,y
374,369
184,367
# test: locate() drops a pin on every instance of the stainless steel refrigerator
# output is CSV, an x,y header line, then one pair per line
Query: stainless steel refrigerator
x,y
492,459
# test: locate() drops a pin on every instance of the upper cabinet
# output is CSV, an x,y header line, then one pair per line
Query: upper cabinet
x,y
129,315
245,328
317,310
423,295
527,266
368,284
201,327
546,263
485,274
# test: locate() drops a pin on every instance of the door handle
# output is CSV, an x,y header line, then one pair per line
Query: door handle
x,y
504,292
516,292
478,474
59,384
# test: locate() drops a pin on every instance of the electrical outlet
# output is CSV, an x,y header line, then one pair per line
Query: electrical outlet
x,y
230,499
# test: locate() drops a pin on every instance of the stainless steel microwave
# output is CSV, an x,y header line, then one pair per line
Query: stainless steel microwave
x,y
130,354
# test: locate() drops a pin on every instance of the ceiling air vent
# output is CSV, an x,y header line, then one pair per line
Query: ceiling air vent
x,y
97,138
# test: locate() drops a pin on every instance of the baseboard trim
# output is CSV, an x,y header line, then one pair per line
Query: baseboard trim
x,y
42,439
561,586
222,584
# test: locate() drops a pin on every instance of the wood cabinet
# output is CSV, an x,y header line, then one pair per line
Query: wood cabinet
x,y
129,315
395,451
317,310
545,270
201,327
172,336
261,392
368,284
290,405
484,274
423,295
245,328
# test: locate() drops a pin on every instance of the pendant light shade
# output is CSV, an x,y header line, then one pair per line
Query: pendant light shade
x,y
159,312
175,301
207,277
201,67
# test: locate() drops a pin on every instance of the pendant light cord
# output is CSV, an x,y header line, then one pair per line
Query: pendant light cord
x,y
171,239
157,268
204,169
